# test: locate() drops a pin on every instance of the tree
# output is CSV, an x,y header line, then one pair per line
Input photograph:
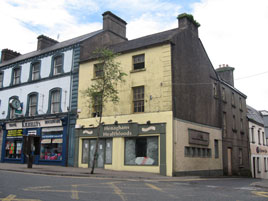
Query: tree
x,y
104,88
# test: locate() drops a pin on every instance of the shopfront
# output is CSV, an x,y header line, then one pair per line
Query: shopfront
x,y
53,141
132,146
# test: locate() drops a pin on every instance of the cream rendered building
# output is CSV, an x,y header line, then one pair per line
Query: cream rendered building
x,y
146,132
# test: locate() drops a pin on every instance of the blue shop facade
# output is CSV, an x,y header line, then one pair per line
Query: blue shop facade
x,y
53,141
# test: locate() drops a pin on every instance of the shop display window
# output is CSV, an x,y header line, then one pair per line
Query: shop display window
x,y
51,149
141,151
13,149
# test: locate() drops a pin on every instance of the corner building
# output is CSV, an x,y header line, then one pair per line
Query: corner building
x,y
167,120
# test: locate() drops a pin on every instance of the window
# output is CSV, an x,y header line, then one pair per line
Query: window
x,y
138,99
35,71
263,138
233,99
224,125
16,76
258,165
138,62
234,123
223,95
32,105
141,151
98,69
259,137
1,79
58,65
215,90
265,164
216,147
252,135
241,125
97,105
240,156
240,104
55,101
51,144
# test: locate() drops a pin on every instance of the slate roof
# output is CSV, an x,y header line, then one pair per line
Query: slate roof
x,y
254,115
51,48
150,40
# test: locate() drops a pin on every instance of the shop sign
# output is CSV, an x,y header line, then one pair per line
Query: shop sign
x,y
14,134
34,124
259,150
51,136
122,130
198,137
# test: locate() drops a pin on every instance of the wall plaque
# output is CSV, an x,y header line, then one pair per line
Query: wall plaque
x,y
198,137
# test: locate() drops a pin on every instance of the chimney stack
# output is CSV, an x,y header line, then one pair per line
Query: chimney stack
x,y
187,21
7,54
226,73
44,42
114,24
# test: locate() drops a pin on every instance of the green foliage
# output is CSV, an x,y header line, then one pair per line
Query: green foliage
x,y
189,17
104,88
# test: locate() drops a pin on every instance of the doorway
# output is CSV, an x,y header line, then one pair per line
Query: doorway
x,y
229,155
254,167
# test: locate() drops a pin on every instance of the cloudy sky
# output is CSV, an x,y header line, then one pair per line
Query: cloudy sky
x,y
234,32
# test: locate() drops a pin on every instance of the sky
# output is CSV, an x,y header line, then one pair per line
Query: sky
x,y
233,32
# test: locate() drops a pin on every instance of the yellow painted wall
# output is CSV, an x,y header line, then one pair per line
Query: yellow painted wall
x,y
181,139
156,79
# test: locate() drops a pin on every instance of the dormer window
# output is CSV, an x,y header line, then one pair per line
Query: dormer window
x,y
16,76
138,62
58,65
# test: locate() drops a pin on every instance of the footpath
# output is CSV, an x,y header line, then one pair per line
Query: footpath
x,y
102,173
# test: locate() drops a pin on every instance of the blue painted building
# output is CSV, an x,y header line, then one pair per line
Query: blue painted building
x,y
38,93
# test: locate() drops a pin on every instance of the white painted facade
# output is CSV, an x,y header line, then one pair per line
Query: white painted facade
x,y
42,86
259,151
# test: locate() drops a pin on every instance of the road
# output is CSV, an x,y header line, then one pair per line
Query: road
x,y
32,187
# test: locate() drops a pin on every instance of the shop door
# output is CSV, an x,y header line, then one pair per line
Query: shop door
x,y
229,153
100,160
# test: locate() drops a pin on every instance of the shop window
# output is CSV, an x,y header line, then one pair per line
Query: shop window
x,y
13,148
16,76
35,71
1,79
138,62
104,151
58,65
216,147
240,156
32,105
138,99
98,70
51,144
141,151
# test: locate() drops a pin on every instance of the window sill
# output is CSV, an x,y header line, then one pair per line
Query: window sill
x,y
138,70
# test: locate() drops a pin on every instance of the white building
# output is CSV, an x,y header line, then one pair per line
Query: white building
x,y
258,144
